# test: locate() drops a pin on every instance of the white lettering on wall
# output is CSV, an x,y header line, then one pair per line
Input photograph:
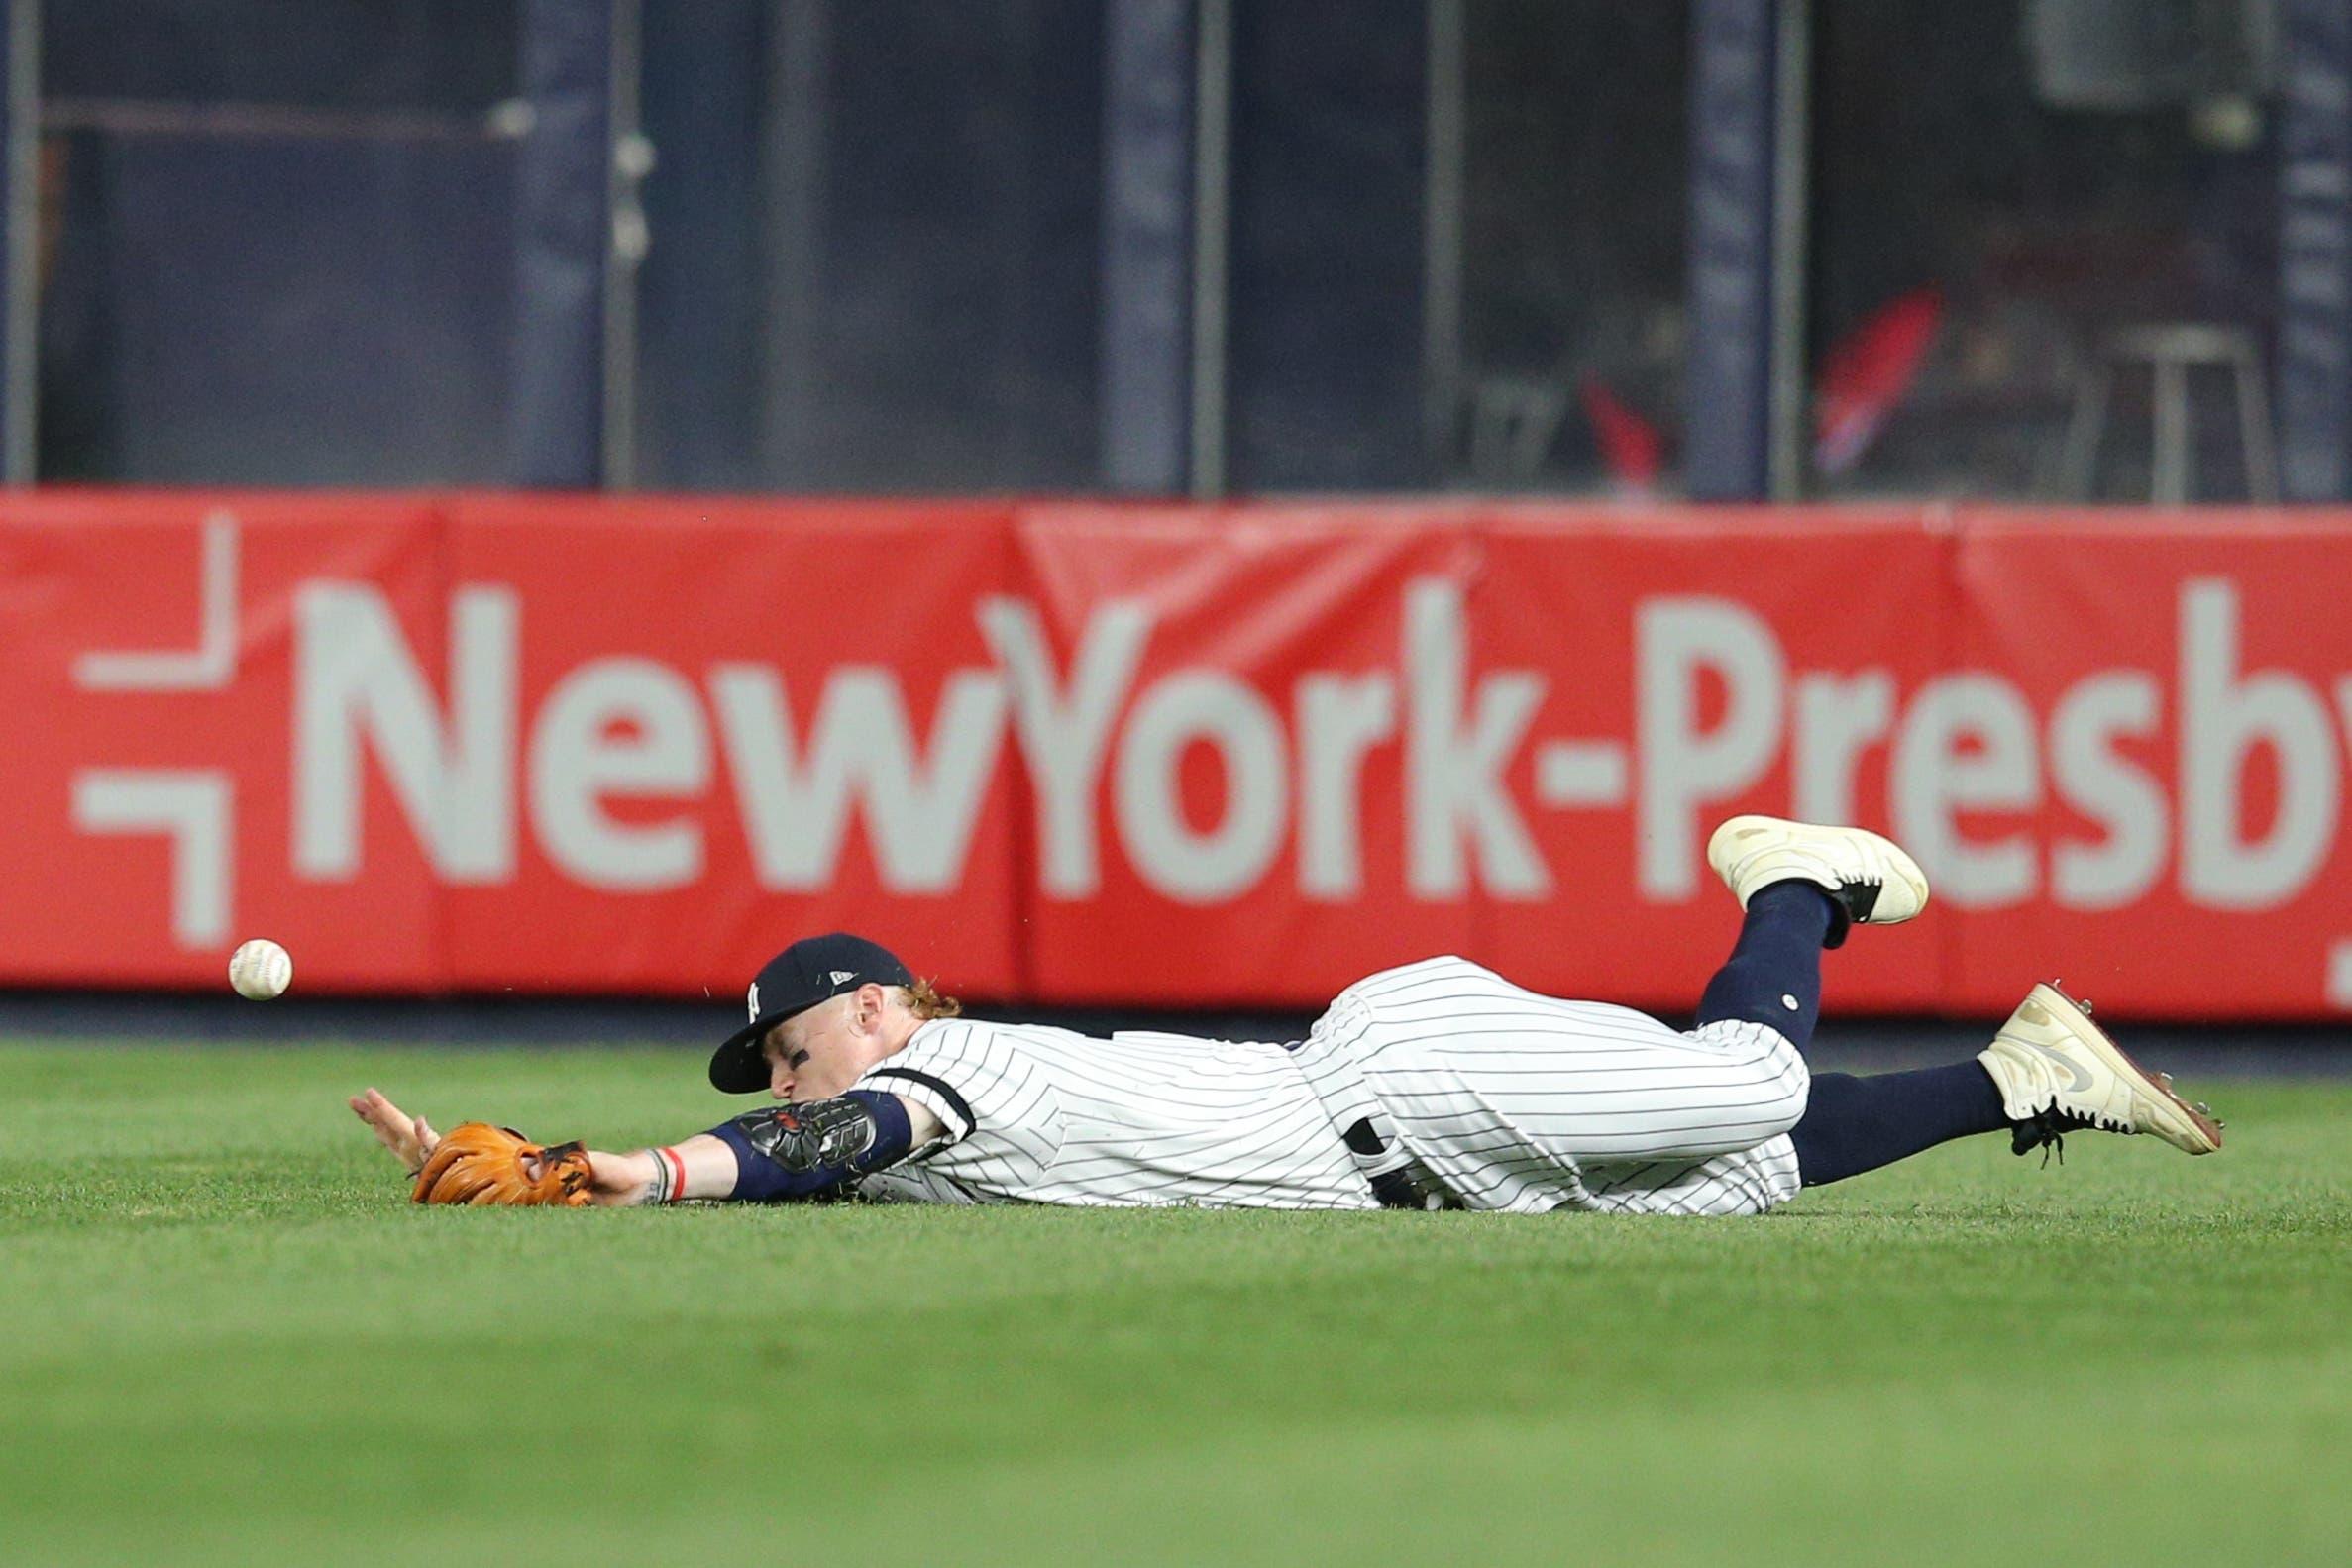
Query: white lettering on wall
x,y
356,682
1454,771
2102,784
2223,718
1224,860
796,802
1837,719
2000,802
1065,732
1682,768
662,750
1967,745
1341,719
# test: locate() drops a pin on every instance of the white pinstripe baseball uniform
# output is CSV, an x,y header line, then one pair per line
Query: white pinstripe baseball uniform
x,y
1503,1098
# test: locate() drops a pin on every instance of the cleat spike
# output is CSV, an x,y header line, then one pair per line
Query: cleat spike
x,y
2085,1004
2165,1079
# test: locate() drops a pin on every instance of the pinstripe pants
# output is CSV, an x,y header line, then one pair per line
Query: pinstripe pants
x,y
1520,1101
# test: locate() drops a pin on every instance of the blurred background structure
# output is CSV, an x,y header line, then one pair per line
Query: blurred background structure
x,y
1718,249
1173,502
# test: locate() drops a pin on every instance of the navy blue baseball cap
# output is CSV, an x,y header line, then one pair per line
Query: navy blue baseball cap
x,y
813,970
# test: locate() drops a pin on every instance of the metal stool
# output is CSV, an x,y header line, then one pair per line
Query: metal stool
x,y
2170,350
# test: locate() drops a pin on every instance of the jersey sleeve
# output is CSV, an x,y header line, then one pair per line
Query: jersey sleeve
x,y
985,1090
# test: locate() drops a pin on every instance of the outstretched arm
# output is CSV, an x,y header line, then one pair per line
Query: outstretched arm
x,y
778,1153
702,1167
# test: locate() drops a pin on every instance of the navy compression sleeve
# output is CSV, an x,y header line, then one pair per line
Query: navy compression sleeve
x,y
815,1149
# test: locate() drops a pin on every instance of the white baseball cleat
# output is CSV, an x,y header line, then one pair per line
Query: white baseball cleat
x,y
2059,1072
1870,878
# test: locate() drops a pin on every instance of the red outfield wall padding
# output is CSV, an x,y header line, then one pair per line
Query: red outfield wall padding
x,y
1076,752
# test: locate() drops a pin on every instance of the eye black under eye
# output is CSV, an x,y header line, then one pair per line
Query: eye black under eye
x,y
796,1058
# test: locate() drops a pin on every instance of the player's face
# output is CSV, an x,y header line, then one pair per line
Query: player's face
x,y
812,1056
785,1061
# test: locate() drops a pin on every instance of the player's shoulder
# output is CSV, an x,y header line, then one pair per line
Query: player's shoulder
x,y
969,1072
974,1040
955,1035
966,1027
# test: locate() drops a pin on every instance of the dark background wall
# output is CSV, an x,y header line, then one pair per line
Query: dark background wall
x,y
279,239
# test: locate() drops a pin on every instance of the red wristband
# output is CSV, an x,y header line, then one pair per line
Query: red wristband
x,y
675,1168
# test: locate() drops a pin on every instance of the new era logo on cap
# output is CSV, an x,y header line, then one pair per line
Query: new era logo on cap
x,y
841,975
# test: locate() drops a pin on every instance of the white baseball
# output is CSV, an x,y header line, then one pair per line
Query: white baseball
x,y
261,970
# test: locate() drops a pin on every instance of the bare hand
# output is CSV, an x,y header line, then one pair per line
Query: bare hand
x,y
409,1139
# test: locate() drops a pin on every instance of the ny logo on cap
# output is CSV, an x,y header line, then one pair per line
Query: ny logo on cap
x,y
755,1002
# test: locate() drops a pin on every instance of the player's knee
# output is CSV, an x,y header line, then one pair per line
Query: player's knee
x,y
1787,1084
1768,1070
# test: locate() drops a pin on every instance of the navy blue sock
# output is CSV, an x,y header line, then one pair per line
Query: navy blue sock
x,y
1856,1125
1773,976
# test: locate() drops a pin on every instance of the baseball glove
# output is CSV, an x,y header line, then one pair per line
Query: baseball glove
x,y
477,1163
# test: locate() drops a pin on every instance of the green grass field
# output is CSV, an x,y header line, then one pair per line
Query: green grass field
x,y
229,1339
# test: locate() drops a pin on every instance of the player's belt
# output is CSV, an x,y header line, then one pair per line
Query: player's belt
x,y
1326,1059
1407,1186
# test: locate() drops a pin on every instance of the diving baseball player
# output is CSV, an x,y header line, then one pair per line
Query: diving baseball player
x,y
1436,1085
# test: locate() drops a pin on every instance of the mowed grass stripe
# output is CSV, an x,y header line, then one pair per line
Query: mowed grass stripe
x,y
231,1340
